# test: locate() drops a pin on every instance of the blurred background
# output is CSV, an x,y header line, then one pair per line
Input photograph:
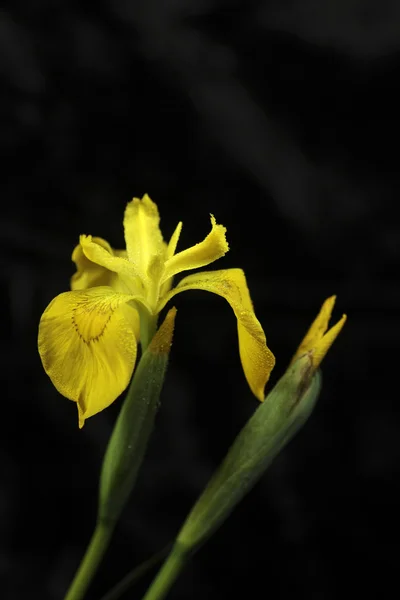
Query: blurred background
x,y
282,119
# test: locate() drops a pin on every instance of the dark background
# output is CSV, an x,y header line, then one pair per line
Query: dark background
x,y
282,119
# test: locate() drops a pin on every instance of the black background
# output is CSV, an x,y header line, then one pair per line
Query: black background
x,y
282,119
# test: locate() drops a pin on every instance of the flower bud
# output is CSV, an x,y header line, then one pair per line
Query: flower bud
x,y
270,428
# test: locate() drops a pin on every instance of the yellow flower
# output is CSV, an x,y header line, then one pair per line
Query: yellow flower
x,y
88,337
318,340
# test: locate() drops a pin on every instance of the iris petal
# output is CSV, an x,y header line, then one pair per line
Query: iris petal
x,y
88,346
257,359
210,249
100,255
90,274
173,242
142,234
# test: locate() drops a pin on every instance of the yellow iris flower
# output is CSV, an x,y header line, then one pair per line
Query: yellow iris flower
x,y
88,336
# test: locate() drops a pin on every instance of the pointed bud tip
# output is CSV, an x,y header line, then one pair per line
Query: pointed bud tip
x,y
322,347
162,340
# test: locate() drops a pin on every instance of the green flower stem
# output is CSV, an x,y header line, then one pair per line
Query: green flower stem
x,y
168,573
126,449
148,327
91,560
268,430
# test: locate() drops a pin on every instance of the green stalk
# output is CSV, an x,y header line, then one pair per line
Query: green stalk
x,y
148,327
122,586
265,434
168,573
90,562
126,448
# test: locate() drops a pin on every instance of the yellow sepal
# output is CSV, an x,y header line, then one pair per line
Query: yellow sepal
x,y
257,359
88,346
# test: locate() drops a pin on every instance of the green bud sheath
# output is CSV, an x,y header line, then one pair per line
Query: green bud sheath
x,y
272,425
270,428
125,451
128,442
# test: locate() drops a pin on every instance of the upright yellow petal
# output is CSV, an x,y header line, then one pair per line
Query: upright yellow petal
x,y
90,274
170,251
173,242
102,256
142,233
210,249
88,346
257,359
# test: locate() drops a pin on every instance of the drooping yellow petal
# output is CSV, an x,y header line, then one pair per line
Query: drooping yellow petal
x,y
257,359
317,339
88,346
142,233
102,256
90,274
210,249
